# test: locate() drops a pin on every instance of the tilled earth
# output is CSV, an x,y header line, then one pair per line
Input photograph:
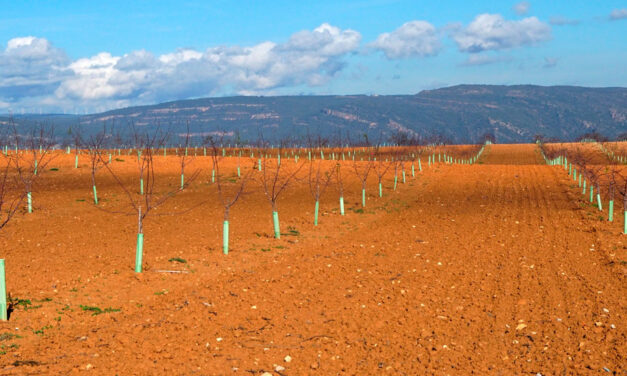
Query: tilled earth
x,y
497,268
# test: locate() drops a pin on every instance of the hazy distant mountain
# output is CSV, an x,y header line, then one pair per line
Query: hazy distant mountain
x,y
462,113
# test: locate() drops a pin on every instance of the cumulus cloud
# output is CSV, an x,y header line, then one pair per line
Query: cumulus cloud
x,y
561,21
30,66
522,8
618,14
480,59
415,38
310,57
493,32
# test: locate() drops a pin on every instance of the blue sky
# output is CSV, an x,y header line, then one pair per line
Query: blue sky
x,y
77,56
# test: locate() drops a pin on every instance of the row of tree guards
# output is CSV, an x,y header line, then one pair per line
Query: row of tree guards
x,y
588,176
264,164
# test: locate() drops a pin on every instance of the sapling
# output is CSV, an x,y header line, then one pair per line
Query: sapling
x,y
362,169
228,194
185,159
94,145
319,179
150,198
381,167
17,177
275,177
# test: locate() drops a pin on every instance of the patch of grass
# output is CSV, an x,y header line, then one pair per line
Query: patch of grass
x,y
80,200
358,211
178,259
8,336
26,304
279,247
97,310
41,331
54,169
291,231
119,160
163,292
265,249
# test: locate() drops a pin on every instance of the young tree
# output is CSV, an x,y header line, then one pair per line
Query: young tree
x,y
19,171
184,158
319,179
622,190
362,170
150,197
229,189
381,167
95,151
33,153
275,177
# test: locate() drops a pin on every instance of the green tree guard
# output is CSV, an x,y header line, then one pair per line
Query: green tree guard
x,y
3,293
225,238
341,205
139,252
275,222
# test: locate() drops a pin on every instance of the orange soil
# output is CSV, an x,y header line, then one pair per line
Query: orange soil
x,y
494,268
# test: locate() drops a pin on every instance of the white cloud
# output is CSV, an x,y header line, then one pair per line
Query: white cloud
x,y
618,14
522,8
493,32
309,57
480,59
561,21
30,66
415,38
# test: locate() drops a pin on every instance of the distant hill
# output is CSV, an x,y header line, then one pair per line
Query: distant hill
x,y
460,113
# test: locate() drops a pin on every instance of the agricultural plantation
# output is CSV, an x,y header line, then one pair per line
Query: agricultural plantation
x,y
147,256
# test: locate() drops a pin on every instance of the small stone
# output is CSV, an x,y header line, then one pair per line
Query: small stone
x,y
279,368
89,366
313,366
266,374
288,359
521,326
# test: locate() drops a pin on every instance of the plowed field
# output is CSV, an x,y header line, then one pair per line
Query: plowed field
x,y
496,268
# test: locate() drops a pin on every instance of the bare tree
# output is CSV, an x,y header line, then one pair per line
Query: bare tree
x,y
33,153
381,167
622,190
319,179
275,177
362,170
94,145
150,197
230,190
185,159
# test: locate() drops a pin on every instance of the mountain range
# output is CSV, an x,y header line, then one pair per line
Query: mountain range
x,y
462,113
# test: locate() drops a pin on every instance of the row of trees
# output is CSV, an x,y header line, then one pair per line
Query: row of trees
x,y
607,175
262,163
